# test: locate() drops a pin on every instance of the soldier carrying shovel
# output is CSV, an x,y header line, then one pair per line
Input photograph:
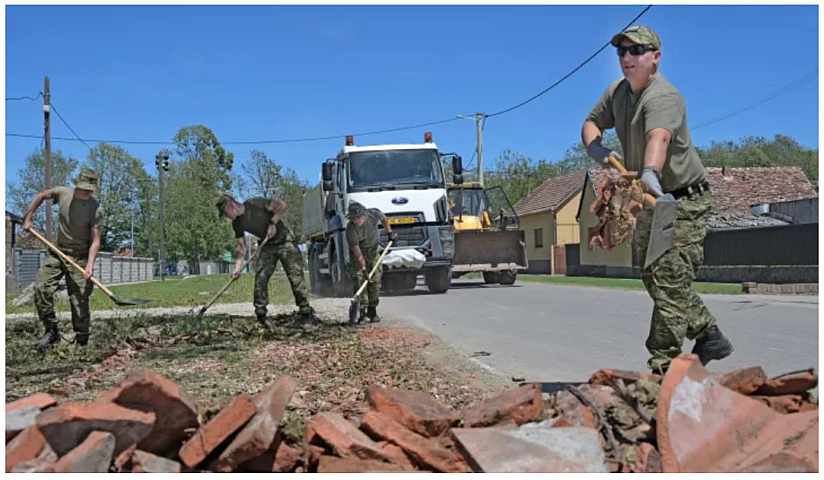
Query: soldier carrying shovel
x,y
78,237
650,118
362,237
262,218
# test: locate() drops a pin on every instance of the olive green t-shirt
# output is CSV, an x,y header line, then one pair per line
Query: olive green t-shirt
x,y
366,235
77,217
256,219
660,105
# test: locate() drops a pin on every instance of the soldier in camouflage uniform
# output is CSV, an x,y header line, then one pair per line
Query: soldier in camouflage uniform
x,y
650,119
362,237
78,237
262,218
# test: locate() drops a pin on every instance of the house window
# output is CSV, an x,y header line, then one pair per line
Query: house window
x,y
539,237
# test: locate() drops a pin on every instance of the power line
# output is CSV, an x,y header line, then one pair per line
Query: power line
x,y
786,88
581,65
33,99
244,142
69,126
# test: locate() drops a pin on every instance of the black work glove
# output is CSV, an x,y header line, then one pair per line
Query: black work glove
x,y
393,237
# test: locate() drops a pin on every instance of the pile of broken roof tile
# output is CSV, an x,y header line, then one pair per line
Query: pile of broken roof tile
x,y
619,421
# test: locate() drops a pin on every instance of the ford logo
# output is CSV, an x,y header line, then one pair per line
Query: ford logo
x,y
400,200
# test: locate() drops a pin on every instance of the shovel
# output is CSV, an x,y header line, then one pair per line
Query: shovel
x,y
354,307
220,292
665,209
117,300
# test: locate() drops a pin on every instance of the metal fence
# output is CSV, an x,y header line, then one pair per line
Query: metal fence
x,y
108,268
780,254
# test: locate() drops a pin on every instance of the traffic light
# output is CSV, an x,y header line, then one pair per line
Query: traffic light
x,y
162,161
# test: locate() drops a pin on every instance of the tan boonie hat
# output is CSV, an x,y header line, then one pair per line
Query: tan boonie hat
x,y
221,202
638,34
87,180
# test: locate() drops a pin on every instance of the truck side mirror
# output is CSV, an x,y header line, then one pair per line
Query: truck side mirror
x,y
326,174
457,165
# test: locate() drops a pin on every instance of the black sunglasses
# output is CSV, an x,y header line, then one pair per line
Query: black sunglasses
x,y
634,50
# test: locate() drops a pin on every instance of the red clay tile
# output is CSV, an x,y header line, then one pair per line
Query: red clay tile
x,y
417,411
211,435
148,391
703,426
67,425
519,405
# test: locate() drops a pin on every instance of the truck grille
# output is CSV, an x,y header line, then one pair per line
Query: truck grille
x,y
408,235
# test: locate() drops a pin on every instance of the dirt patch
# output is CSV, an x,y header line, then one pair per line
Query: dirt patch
x,y
227,355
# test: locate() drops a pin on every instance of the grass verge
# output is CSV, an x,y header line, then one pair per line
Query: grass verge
x,y
174,292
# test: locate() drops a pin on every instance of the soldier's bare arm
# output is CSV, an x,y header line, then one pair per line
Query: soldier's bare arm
x,y
35,204
240,254
358,256
658,140
93,250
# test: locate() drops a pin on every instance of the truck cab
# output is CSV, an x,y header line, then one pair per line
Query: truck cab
x,y
404,181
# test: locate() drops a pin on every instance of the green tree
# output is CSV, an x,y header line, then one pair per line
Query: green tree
x,y
781,151
123,184
576,158
32,180
517,174
197,175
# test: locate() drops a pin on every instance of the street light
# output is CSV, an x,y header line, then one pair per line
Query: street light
x,y
162,164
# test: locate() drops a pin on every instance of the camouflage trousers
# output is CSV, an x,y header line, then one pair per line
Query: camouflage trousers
x,y
79,292
291,259
370,297
678,311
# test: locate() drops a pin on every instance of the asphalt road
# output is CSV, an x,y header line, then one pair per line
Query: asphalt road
x,y
554,333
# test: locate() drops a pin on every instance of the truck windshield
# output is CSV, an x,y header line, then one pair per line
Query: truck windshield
x,y
395,168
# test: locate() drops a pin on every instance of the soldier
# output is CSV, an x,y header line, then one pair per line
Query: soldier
x,y
263,218
649,116
362,237
78,237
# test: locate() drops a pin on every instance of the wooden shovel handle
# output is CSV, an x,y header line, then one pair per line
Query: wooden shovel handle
x,y
374,269
220,292
615,163
70,261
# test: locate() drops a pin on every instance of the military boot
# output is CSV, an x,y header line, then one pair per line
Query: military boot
x,y
82,339
49,338
261,318
712,345
306,312
363,315
372,313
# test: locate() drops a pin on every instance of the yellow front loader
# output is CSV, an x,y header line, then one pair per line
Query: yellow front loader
x,y
488,237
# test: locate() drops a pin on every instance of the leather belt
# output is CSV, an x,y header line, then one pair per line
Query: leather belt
x,y
697,188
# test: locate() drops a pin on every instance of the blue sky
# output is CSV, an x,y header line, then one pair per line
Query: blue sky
x,y
275,72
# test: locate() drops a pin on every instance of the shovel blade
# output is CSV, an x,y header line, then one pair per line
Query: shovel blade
x,y
354,312
132,301
662,232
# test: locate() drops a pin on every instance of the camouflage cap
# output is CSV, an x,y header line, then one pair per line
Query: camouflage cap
x,y
638,34
87,180
355,210
223,198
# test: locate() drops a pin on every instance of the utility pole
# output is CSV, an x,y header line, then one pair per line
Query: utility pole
x,y
47,141
480,118
162,163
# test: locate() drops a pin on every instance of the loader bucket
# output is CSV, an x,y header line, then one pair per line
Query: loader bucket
x,y
504,250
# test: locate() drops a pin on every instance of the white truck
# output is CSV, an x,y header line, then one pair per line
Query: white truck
x,y
404,181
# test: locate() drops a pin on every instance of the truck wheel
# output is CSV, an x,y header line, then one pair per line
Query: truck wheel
x,y
437,279
341,281
491,277
507,278
314,275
